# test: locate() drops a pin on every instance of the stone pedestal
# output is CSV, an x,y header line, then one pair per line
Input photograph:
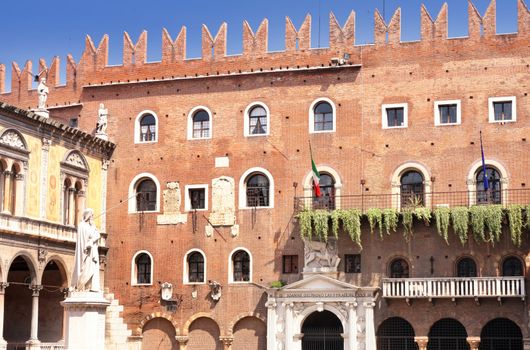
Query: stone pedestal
x,y
42,112
85,321
102,136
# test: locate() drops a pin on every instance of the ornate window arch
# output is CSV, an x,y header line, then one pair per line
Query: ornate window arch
x,y
399,267
142,268
473,180
466,266
254,191
332,201
200,123
240,266
512,266
194,267
146,127
14,157
74,182
257,120
397,183
322,113
149,186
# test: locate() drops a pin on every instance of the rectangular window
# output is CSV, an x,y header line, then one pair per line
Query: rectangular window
x,y
352,263
73,123
395,115
447,113
197,198
290,264
502,109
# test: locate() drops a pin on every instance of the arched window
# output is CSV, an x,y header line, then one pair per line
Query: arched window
x,y
466,267
323,117
257,121
501,333
241,266
201,124
396,333
399,268
491,194
412,189
143,268
195,267
327,193
146,195
147,128
13,188
257,190
512,266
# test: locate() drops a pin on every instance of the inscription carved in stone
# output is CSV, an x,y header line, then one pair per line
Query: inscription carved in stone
x,y
172,214
223,202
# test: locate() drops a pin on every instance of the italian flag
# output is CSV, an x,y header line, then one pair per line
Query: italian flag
x,y
316,178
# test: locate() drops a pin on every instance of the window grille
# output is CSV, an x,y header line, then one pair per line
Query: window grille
x,y
241,265
257,191
395,333
447,334
143,269
195,267
352,263
501,333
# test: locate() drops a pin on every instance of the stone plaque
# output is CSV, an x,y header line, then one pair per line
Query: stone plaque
x,y
223,202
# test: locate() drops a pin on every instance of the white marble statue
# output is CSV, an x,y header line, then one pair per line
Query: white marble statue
x,y
43,91
101,127
86,268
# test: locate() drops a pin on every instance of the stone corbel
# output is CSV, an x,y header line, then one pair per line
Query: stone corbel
x,y
35,289
3,286
227,341
473,342
422,342
182,340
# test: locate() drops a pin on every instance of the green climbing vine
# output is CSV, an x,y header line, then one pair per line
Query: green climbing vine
x,y
423,214
460,219
478,222
494,217
390,220
527,212
515,220
407,221
351,222
442,216
306,226
375,216
321,222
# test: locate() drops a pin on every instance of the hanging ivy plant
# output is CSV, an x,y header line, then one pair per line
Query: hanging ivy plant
x,y
515,219
351,221
306,226
460,219
390,220
321,221
478,222
442,215
335,221
407,222
527,212
375,216
493,220
424,214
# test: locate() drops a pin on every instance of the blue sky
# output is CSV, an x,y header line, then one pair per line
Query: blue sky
x,y
57,27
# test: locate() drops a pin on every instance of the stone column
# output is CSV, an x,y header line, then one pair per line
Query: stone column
x,y
19,195
3,286
271,323
422,342
80,207
370,327
7,192
288,326
352,325
33,338
71,206
473,342
227,342
182,340
526,343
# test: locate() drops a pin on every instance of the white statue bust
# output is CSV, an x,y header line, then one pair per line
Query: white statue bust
x,y
86,268
101,127
43,91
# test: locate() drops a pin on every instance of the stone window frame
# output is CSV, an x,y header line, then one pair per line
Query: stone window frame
x,y
491,111
246,119
437,118
503,260
308,185
231,266
137,127
185,270
187,199
394,259
471,179
76,175
384,119
243,188
14,154
190,123
312,116
396,182
463,257
132,208
134,270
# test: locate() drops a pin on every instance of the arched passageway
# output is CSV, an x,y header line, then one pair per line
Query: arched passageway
x,y
501,334
447,333
159,334
51,312
395,333
322,331
18,299
250,333
204,335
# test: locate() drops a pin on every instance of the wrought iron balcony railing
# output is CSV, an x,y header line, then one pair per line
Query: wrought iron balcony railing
x,y
454,287
398,201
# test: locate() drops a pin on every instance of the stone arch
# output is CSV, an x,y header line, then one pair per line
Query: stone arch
x,y
14,139
159,333
396,182
153,315
51,312
186,327
243,315
249,332
316,308
394,257
467,256
509,255
395,329
76,159
471,180
32,265
203,333
62,265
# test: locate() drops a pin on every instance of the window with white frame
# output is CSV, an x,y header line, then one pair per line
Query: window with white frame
x,y
142,269
322,116
394,115
502,109
257,120
144,193
196,197
447,113
195,263
256,189
240,266
146,127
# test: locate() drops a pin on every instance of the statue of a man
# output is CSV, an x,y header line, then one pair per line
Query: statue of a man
x,y
101,127
86,268
43,91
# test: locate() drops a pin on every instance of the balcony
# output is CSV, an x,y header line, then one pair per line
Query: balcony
x,y
431,200
37,228
454,287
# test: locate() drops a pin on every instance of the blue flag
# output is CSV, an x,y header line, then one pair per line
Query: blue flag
x,y
485,177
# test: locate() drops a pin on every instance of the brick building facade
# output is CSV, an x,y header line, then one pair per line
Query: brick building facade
x,y
212,167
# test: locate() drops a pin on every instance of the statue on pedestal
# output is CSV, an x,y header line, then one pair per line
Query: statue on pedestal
x,y
86,268
43,91
101,126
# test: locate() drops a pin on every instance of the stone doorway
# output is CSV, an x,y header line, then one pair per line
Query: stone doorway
x,y
322,331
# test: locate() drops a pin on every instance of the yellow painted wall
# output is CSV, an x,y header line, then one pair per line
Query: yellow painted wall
x,y
53,200
33,177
